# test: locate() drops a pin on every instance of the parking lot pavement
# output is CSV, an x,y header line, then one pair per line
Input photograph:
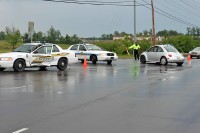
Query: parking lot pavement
x,y
123,97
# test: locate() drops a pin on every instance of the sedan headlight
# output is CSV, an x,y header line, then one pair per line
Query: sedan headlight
x,y
6,58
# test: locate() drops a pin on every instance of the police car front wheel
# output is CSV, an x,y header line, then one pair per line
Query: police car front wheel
x,y
19,65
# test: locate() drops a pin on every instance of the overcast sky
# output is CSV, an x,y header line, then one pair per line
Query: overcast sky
x,y
93,21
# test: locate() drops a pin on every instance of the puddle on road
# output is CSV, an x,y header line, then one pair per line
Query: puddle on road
x,y
152,69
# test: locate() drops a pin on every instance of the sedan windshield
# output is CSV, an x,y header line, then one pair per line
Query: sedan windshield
x,y
196,49
25,48
93,47
170,48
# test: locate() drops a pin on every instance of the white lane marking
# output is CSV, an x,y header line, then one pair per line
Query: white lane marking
x,y
21,130
15,88
59,92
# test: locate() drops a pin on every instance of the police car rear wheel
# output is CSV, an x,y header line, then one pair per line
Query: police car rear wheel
x,y
19,65
62,64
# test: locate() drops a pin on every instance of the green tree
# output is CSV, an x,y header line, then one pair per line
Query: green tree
x,y
145,32
13,36
53,35
75,39
188,30
2,35
198,31
193,31
26,38
116,33
39,36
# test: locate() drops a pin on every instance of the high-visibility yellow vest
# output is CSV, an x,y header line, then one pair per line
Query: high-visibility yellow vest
x,y
134,46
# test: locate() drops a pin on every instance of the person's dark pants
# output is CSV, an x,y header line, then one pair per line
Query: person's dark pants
x,y
136,55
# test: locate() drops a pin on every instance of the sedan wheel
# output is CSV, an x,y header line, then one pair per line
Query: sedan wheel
x,y
143,59
163,61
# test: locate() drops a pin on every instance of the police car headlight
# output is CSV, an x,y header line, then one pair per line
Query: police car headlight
x,y
102,54
6,59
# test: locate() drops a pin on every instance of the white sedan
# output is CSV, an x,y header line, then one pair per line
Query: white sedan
x,y
162,54
195,52
37,55
92,53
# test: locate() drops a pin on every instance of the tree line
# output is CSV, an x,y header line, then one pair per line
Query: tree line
x,y
183,42
13,37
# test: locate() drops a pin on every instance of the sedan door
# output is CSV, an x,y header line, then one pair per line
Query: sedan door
x,y
42,56
152,53
159,54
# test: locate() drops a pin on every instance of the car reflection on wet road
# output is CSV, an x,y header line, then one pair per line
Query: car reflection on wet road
x,y
120,98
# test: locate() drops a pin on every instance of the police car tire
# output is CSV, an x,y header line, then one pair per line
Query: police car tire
x,y
93,58
19,65
62,64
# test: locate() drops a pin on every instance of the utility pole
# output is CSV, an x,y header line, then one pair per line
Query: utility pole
x,y
135,38
153,26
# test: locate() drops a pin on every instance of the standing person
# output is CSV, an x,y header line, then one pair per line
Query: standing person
x,y
135,48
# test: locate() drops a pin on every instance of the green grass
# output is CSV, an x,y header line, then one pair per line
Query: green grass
x,y
125,56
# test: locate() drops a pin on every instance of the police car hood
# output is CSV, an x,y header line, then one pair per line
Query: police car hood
x,y
99,52
13,54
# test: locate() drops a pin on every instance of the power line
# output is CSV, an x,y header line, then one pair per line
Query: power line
x,y
187,10
99,3
161,12
125,3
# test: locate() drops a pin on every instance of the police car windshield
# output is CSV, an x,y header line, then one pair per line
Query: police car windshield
x,y
93,47
25,48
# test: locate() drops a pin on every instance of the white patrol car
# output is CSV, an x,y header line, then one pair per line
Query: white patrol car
x,y
37,55
92,53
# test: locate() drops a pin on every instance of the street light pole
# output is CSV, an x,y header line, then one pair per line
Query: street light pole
x,y
135,38
153,26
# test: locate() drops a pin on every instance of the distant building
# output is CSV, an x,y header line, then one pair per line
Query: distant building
x,y
122,37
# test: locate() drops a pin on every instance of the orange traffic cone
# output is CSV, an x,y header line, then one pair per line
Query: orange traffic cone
x,y
189,57
85,63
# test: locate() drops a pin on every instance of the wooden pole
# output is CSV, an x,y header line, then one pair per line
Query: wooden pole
x,y
153,26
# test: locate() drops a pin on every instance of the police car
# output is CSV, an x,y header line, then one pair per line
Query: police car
x,y
37,55
92,53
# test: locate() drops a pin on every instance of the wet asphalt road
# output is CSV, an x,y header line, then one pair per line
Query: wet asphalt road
x,y
127,97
